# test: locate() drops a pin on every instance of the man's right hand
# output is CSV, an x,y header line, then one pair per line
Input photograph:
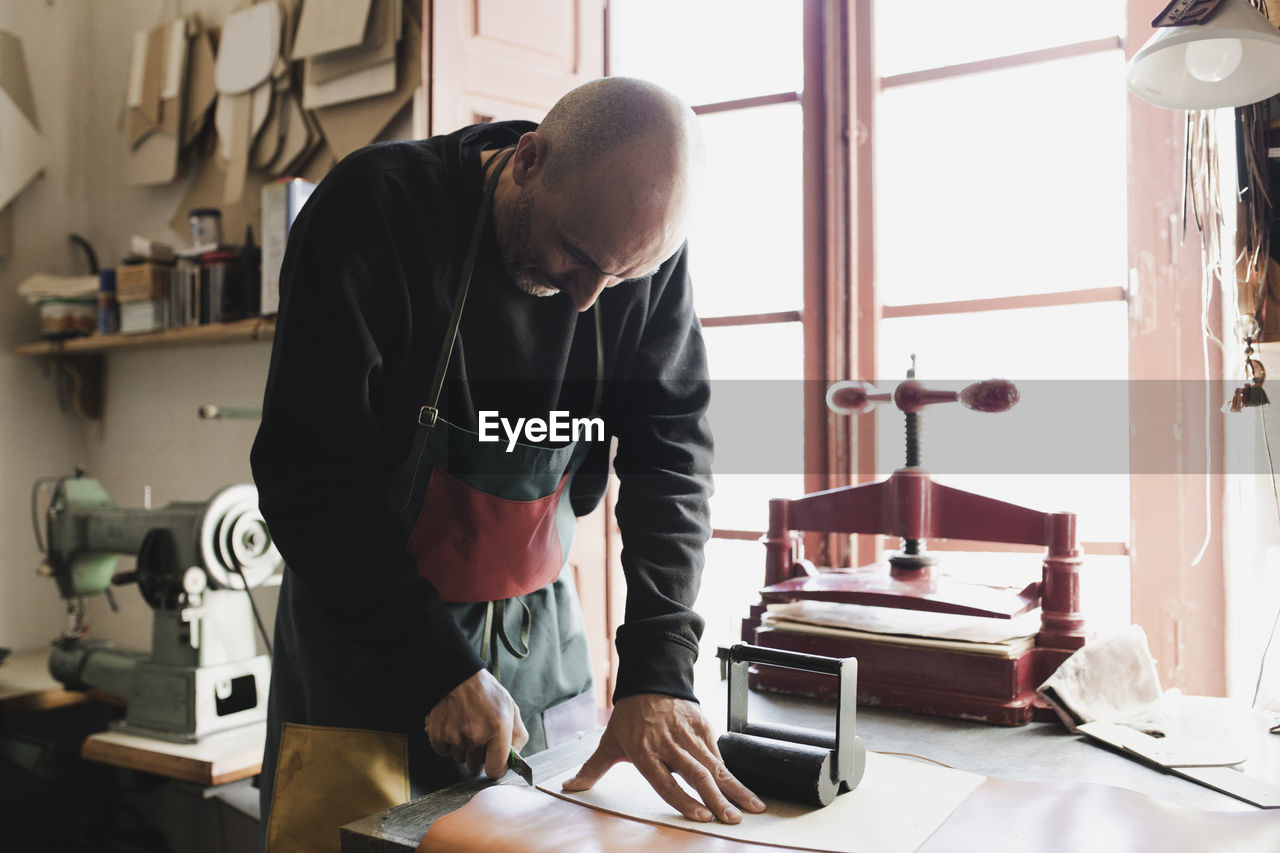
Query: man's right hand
x,y
477,723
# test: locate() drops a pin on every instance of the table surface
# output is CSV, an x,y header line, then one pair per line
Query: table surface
x,y
217,759
1043,752
26,686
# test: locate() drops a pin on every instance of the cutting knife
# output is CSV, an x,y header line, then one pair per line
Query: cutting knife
x,y
522,768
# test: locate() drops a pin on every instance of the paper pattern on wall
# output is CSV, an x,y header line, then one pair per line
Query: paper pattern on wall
x,y
249,47
385,22
154,102
898,805
22,150
328,25
350,125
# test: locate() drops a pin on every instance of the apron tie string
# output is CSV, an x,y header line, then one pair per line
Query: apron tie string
x,y
495,632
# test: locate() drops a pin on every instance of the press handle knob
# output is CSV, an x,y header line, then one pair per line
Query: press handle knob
x,y
993,395
854,397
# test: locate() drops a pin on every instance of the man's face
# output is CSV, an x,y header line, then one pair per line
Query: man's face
x,y
585,233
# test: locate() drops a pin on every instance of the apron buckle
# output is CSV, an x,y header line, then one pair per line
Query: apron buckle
x,y
427,416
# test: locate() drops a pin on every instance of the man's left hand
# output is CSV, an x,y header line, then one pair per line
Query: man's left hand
x,y
662,736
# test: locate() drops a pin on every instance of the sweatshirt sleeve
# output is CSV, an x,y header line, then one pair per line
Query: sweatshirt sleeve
x,y
324,451
664,467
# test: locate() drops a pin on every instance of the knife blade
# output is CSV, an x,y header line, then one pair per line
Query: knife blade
x,y
520,766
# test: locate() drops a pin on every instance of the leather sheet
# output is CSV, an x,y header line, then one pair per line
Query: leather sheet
x,y
519,819
1063,817
898,804
999,815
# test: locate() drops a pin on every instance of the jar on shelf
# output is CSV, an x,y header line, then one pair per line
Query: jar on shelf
x,y
228,287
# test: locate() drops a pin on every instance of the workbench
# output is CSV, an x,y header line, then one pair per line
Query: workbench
x,y
1044,752
27,687
61,786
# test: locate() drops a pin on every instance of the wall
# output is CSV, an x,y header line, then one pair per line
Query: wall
x,y
35,437
1253,545
77,54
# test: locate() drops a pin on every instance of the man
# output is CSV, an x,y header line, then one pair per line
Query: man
x,y
430,290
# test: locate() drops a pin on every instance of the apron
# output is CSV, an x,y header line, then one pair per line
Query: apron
x,y
491,530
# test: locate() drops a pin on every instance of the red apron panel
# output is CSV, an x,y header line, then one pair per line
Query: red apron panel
x,y
474,546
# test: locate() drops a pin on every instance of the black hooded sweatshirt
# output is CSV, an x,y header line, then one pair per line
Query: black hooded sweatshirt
x,y
371,269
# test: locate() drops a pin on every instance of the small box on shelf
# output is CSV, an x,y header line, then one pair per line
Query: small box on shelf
x,y
143,315
150,280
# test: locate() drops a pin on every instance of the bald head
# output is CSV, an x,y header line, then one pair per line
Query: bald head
x,y
607,115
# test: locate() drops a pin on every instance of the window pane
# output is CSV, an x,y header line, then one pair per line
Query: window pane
x,y
741,501
1067,342
746,242
759,352
731,582
1001,186
932,33
1069,435
707,51
756,418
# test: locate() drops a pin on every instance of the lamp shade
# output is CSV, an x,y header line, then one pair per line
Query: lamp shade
x,y
1230,60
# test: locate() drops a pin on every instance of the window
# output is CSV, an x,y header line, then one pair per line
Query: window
x,y
740,64
1000,240
972,185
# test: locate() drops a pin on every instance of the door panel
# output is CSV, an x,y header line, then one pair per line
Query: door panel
x,y
510,59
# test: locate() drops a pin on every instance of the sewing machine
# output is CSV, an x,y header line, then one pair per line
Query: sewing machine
x,y
196,562
994,681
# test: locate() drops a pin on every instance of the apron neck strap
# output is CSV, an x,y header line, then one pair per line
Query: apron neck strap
x,y
599,392
427,414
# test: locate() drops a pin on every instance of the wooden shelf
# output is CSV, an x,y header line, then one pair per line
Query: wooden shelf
x,y
217,759
252,329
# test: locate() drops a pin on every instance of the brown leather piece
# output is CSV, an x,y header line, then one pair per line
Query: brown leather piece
x,y
516,819
1069,817
999,815
475,546
327,777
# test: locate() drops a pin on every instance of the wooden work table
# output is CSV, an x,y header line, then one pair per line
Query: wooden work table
x,y
1044,752
27,687
217,759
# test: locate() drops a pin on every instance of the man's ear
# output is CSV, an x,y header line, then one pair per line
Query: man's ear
x,y
527,160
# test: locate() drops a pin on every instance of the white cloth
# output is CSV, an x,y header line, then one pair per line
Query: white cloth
x,y
1112,679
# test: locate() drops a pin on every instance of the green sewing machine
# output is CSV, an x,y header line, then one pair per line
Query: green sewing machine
x,y
196,562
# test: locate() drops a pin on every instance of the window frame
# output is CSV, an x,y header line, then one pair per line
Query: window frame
x,y
1177,599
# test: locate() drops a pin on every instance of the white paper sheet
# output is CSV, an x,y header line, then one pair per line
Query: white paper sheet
x,y
22,150
915,623
898,805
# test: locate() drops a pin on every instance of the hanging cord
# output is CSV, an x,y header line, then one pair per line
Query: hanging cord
x,y
1200,188
253,605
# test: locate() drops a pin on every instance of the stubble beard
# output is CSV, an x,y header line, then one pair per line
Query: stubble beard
x,y
513,237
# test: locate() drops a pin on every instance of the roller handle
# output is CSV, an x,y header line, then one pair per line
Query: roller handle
x,y
740,652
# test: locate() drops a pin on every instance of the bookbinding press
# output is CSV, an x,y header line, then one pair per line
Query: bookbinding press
x,y
938,679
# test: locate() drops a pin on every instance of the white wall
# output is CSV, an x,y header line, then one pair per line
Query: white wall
x,y
77,54
35,437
